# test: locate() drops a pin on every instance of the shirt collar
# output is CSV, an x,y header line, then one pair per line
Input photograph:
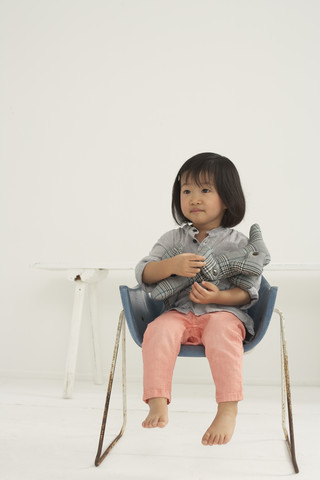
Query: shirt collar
x,y
215,231
191,230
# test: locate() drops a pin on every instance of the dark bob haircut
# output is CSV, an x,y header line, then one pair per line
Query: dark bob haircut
x,y
223,174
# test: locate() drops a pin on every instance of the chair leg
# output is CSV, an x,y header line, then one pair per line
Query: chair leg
x,y
286,393
121,329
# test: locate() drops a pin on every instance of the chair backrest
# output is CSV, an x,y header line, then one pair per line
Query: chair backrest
x,y
140,309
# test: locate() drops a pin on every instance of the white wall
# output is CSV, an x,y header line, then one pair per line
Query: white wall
x,y
102,101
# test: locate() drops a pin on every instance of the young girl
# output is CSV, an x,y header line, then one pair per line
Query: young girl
x,y
207,200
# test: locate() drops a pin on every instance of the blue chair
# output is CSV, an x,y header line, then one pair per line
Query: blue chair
x,y
139,309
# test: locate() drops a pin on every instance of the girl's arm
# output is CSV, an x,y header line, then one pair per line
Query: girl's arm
x,y
185,265
209,293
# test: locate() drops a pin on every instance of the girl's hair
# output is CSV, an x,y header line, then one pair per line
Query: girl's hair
x,y
223,174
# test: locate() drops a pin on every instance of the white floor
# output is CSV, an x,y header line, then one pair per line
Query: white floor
x,y
46,437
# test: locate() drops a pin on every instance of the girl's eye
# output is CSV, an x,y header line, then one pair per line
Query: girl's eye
x,y
205,190
186,192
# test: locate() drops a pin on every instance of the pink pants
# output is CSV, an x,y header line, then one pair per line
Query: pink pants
x,y
222,334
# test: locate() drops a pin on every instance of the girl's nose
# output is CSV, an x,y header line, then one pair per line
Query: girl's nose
x,y
195,200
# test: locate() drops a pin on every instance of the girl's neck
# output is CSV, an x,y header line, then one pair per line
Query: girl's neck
x,y
201,236
203,232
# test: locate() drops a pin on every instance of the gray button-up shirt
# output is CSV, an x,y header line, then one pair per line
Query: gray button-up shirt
x,y
220,240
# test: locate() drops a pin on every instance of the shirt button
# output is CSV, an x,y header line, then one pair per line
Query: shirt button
x,y
195,241
195,230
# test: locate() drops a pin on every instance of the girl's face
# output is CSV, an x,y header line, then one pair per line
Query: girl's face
x,y
201,204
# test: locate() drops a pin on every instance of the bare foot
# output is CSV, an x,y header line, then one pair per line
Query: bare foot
x,y
158,414
222,427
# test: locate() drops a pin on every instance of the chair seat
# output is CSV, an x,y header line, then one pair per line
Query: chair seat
x,y
140,309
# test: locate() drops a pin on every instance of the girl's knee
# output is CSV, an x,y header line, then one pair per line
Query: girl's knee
x,y
222,330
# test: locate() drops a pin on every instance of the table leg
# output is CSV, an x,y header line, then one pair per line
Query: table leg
x,y
95,332
79,294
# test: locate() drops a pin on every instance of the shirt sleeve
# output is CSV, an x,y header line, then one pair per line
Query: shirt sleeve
x,y
255,281
253,293
165,243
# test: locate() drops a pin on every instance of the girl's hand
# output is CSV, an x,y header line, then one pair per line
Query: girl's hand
x,y
208,293
184,264
187,264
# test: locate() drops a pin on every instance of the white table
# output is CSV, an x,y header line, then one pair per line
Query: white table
x,y
85,279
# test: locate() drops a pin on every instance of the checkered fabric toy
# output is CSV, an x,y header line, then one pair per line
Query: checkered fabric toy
x,y
238,266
